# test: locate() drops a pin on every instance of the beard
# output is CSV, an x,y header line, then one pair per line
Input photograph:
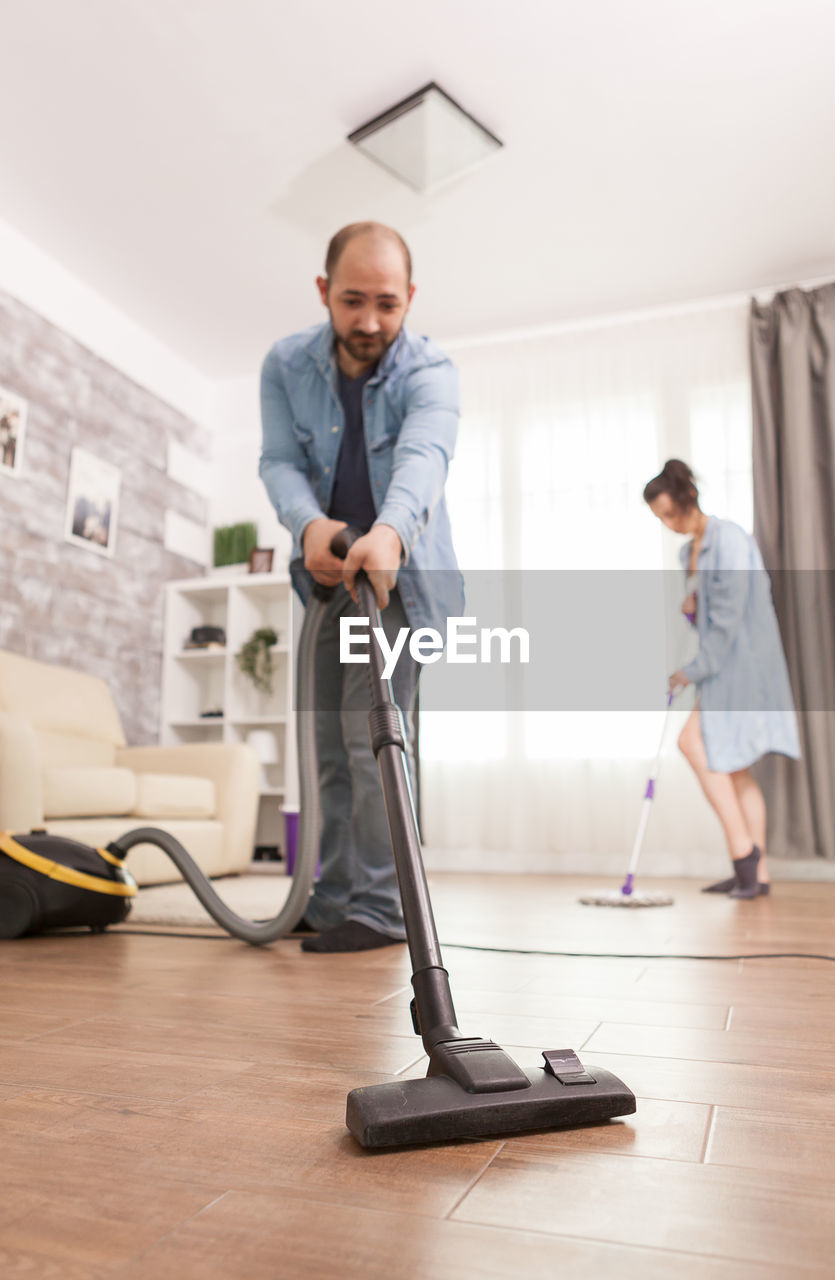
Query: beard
x,y
366,349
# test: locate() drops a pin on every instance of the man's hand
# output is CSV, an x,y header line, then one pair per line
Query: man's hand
x,y
319,560
378,552
678,680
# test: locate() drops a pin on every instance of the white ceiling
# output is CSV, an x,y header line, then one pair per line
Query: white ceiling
x,y
186,158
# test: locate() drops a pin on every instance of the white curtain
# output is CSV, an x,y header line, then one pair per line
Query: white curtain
x,y
558,436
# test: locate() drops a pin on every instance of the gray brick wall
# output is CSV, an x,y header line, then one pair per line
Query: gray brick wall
x,y
59,602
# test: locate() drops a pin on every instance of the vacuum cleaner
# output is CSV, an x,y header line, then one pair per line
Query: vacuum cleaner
x,y
473,1088
49,882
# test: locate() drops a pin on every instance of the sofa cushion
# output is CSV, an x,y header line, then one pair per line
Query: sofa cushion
x,y
59,700
88,792
173,795
60,750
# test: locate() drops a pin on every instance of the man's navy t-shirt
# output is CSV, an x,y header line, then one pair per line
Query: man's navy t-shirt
x,y
351,498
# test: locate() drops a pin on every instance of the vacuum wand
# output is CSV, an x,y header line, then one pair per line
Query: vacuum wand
x,y
388,741
433,1011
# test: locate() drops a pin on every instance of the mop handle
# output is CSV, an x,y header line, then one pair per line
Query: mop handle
x,y
649,796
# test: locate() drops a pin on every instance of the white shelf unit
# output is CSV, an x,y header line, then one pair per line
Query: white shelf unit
x,y
198,681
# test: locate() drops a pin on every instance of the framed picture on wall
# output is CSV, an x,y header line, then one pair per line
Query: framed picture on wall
x,y
12,431
92,503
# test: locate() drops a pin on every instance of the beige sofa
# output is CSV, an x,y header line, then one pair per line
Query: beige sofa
x,y
65,766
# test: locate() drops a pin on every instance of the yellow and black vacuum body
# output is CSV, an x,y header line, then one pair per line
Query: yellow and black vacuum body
x,y
51,882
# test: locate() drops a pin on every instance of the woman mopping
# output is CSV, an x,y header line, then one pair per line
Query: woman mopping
x,y
744,707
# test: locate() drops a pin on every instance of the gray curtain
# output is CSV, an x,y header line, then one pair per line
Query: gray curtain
x,y
793,381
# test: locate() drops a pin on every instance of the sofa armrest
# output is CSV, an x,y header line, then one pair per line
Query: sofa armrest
x,y
21,782
235,770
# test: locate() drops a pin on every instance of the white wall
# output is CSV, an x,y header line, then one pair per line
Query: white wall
x,y
32,276
237,492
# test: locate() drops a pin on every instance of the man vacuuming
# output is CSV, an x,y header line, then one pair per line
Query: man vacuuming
x,y
359,422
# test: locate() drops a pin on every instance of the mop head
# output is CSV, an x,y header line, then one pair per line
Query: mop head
x,y
617,898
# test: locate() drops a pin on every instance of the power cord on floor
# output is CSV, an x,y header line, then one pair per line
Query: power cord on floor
x,y
623,955
507,951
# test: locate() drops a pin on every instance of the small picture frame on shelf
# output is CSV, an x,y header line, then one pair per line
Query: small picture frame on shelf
x,y
261,560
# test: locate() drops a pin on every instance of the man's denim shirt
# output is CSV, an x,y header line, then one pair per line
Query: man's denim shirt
x,y
410,416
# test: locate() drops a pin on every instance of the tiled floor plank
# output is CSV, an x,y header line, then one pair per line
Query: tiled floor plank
x,y
769,1139
772,1048
701,1209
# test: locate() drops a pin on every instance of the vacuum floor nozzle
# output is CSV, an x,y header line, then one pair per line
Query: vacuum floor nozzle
x,y
436,1109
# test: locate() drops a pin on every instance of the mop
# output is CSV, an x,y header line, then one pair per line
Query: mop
x,y
625,896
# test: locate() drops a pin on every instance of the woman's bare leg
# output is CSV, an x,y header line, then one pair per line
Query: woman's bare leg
x,y
752,803
718,788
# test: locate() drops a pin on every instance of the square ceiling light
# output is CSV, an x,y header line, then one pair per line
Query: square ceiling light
x,y
425,139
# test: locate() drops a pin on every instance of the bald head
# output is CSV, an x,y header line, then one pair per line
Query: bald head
x,y
374,235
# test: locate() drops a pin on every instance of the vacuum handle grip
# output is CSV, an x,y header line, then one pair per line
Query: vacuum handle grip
x,y
341,544
343,540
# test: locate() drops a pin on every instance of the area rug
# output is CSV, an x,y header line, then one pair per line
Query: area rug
x,y
257,895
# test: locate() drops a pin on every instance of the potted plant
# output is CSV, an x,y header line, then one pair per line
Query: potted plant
x,y
233,545
255,658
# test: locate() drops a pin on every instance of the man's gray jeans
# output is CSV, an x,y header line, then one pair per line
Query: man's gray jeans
x,y
358,879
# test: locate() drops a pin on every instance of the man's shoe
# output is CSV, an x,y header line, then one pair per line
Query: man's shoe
x,y
351,935
303,927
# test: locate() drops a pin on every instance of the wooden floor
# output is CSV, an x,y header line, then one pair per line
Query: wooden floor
x,y
173,1108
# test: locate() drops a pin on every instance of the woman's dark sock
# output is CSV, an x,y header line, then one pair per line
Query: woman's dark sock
x,y
351,935
721,886
725,886
745,870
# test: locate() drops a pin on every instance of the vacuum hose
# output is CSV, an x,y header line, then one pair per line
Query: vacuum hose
x,y
310,822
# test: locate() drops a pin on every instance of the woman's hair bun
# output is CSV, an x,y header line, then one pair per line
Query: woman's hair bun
x,y
677,480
